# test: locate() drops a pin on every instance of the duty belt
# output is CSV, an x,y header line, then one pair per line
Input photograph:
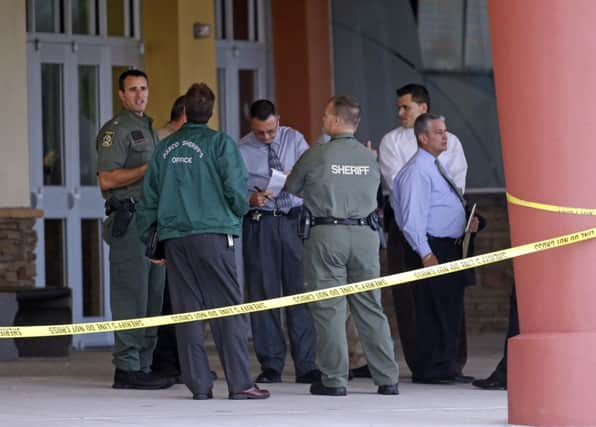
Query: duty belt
x,y
327,220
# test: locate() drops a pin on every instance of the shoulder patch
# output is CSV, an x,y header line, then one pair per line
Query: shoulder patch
x,y
106,140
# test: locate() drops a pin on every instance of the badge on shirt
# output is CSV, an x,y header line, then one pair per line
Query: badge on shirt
x,y
137,137
106,141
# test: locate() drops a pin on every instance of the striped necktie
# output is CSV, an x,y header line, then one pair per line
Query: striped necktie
x,y
447,178
282,201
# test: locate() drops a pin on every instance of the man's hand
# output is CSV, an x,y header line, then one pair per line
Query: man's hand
x,y
429,260
157,261
474,224
259,198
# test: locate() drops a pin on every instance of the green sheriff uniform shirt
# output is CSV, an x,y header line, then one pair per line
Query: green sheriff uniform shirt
x,y
338,179
195,184
125,142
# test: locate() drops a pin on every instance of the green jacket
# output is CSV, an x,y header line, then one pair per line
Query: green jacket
x,y
195,184
125,142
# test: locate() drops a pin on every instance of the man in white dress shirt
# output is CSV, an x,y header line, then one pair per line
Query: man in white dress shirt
x,y
396,148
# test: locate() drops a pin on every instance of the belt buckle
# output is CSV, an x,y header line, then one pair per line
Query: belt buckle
x,y
276,212
458,241
256,216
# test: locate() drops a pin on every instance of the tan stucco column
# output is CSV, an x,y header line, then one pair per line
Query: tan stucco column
x,y
14,137
174,59
544,66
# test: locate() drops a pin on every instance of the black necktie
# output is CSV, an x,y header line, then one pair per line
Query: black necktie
x,y
447,178
282,201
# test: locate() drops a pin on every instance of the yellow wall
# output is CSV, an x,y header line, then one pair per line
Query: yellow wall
x,y
14,135
173,58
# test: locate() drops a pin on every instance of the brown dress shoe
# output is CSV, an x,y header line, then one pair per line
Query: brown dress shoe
x,y
250,393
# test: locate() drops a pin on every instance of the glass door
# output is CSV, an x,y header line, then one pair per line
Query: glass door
x,y
64,110
243,62
74,48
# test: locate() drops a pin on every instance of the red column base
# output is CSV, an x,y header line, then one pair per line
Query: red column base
x,y
552,379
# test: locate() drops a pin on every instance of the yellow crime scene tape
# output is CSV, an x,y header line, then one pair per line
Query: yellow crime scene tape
x,y
550,208
306,297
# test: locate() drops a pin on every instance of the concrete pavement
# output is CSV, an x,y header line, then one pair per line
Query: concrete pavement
x,y
75,391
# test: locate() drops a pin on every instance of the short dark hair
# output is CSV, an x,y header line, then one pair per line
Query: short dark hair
x,y
347,108
418,92
133,72
262,109
177,109
422,123
198,101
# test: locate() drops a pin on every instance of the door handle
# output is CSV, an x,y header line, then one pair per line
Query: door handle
x,y
37,198
73,197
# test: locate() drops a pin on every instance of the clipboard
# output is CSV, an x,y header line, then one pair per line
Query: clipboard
x,y
467,233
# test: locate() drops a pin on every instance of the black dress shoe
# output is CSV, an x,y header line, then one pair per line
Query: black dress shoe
x,y
140,380
447,380
319,389
268,376
361,372
388,389
249,394
494,382
310,377
203,396
464,379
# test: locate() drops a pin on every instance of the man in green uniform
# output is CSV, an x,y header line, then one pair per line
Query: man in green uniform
x,y
124,146
338,182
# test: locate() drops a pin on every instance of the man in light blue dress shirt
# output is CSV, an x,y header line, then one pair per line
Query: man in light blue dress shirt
x,y
430,212
273,252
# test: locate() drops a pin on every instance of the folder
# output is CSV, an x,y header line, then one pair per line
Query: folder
x,y
468,233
